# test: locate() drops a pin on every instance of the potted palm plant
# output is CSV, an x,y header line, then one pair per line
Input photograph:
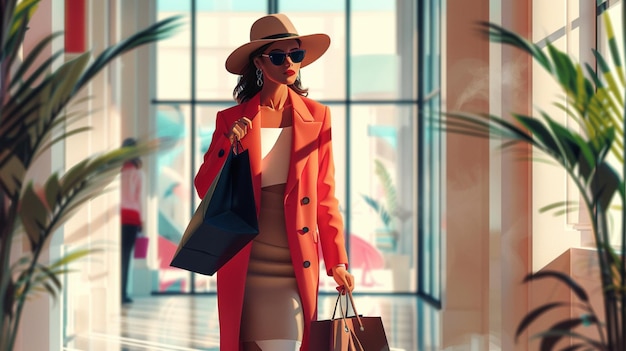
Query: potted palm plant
x,y
33,118
595,101
385,207
387,237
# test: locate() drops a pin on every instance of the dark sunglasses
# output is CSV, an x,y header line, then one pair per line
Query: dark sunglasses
x,y
278,58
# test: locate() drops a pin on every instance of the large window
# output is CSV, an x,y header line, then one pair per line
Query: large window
x,y
570,26
368,77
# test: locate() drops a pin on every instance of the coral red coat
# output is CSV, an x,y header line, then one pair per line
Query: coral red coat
x,y
311,208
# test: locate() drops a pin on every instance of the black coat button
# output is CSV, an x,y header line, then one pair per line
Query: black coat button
x,y
306,264
220,153
305,200
305,229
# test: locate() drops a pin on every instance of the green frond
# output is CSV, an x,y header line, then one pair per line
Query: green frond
x,y
33,117
389,190
157,31
12,173
604,184
564,68
383,214
33,55
45,278
613,47
541,134
487,126
560,208
34,216
24,11
591,72
87,180
73,256
59,138
499,34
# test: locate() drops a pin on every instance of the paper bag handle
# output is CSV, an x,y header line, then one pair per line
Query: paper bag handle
x,y
342,291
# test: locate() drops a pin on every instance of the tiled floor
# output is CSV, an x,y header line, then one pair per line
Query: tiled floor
x,y
188,323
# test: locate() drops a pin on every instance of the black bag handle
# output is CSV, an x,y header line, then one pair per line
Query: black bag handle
x,y
237,147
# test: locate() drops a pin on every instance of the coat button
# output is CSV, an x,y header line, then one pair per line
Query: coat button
x,y
220,153
305,200
306,264
305,229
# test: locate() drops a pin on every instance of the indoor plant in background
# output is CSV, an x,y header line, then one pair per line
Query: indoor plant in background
x,y
388,238
595,101
33,117
385,207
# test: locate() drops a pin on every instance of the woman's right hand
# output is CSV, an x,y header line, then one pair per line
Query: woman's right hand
x,y
239,129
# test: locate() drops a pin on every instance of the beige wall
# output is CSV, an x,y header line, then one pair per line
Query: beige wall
x,y
488,214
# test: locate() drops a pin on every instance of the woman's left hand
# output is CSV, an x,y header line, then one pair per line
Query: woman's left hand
x,y
343,277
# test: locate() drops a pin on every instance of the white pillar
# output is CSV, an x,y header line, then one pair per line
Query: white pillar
x,y
42,316
93,293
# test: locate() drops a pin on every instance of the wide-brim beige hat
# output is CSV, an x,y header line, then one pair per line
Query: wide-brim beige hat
x,y
272,28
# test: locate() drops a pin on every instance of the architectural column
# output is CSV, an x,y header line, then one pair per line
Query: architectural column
x,y
489,210
511,240
464,318
136,88
42,315
93,292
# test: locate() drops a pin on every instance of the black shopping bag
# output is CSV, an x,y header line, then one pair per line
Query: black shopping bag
x,y
224,222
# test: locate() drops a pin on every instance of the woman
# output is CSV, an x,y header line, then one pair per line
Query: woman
x,y
131,213
267,294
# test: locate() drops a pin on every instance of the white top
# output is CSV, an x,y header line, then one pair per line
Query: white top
x,y
275,153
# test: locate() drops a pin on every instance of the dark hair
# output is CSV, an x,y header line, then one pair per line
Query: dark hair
x,y
128,142
246,86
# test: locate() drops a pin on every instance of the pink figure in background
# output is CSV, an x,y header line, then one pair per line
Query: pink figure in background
x,y
365,256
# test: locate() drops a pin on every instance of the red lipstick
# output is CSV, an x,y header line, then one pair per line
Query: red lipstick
x,y
290,72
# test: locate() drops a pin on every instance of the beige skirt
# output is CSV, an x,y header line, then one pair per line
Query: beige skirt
x,y
271,307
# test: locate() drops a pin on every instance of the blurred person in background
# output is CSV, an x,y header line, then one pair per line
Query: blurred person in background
x,y
132,196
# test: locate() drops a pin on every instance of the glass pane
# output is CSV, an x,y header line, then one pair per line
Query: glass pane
x,y
290,6
205,126
231,5
220,30
174,194
382,197
338,115
383,53
548,19
173,55
326,78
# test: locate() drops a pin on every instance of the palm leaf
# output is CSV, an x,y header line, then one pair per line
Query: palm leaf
x,y
562,329
499,34
31,120
157,31
86,180
30,59
389,190
384,215
45,278
562,207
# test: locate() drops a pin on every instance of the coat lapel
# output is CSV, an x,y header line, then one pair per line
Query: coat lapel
x,y
305,131
252,143
304,139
